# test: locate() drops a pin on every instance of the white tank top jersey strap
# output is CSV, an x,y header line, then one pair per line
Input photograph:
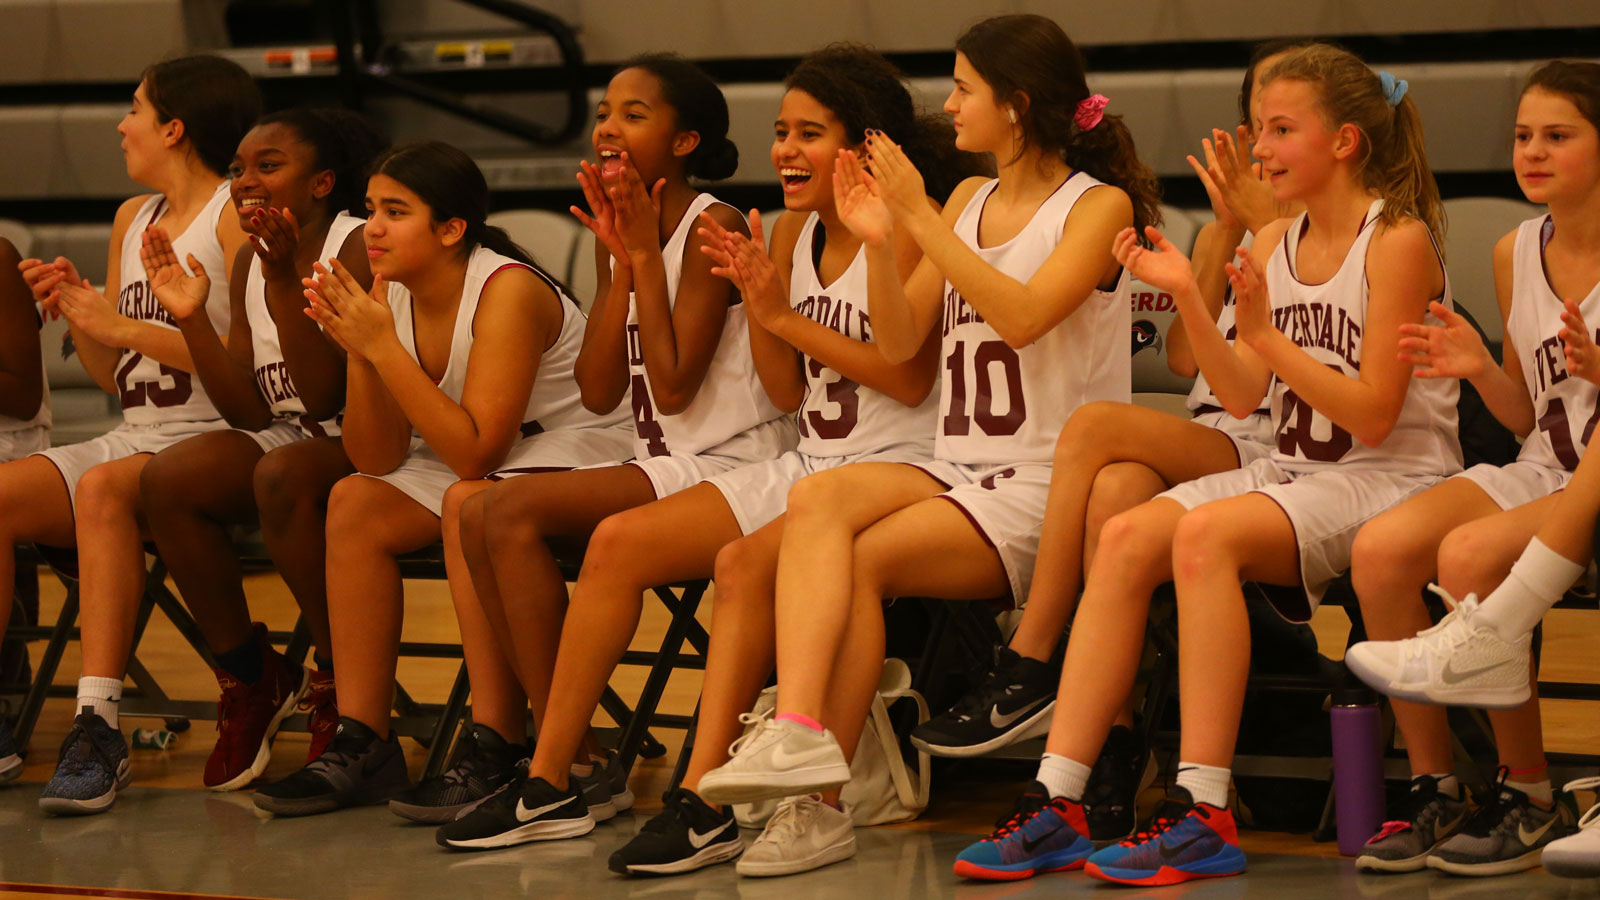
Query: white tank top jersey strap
x,y
272,376
1564,407
152,392
731,399
840,417
1002,405
1326,320
554,402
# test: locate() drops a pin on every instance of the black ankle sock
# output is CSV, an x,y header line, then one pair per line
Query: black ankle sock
x,y
322,664
242,662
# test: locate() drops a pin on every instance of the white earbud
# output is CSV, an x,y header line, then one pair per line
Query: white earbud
x,y
1012,115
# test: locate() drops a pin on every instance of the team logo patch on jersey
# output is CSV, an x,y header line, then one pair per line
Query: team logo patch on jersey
x,y
1145,334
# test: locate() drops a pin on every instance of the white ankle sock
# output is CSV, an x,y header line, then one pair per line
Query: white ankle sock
x,y
1538,579
102,695
1449,785
1538,791
1063,777
1206,784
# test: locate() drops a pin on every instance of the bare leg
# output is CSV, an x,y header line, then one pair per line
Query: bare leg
x,y
292,484
1216,547
497,698
1473,559
1099,435
514,575
670,540
191,493
1134,557
370,522
1392,561
741,654
815,587
110,562
34,506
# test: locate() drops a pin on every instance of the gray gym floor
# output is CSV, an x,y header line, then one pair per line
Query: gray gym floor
x,y
160,839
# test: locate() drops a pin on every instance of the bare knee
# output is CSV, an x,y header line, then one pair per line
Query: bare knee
x,y
614,542
817,496
1388,562
1129,541
1087,431
511,520
350,510
743,567
105,493
1470,560
456,496
276,486
1197,548
1118,488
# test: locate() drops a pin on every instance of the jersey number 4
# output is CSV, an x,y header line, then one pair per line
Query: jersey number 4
x,y
967,406
154,392
1558,430
644,419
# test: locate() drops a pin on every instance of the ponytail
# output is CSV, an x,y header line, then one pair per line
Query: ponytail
x,y
1393,160
1029,62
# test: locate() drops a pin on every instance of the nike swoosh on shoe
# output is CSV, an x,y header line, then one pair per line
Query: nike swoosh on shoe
x,y
1176,849
1005,720
524,814
1452,675
698,840
1529,838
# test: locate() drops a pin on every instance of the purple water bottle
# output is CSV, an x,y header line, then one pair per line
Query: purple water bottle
x,y
1357,766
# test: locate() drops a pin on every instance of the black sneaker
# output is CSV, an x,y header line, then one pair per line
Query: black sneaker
x,y
489,764
1506,834
1113,788
10,759
528,809
92,768
1421,821
686,835
1012,703
358,768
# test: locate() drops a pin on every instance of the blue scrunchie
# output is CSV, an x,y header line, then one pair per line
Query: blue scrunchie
x,y
1394,89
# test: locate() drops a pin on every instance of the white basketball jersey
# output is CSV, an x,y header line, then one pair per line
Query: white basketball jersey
x,y
153,392
840,417
1001,405
554,402
1326,320
730,400
272,376
1564,407
1202,400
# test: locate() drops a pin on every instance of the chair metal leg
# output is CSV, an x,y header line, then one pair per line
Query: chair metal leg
x,y
633,733
450,718
28,718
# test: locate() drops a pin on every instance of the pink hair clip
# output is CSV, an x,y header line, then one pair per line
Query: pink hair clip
x,y
1091,110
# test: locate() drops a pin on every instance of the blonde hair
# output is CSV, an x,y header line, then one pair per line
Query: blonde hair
x,y
1392,159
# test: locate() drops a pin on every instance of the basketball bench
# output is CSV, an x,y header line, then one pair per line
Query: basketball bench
x,y
433,724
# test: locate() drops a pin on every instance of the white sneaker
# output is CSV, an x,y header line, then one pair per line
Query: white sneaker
x,y
803,834
1577,855
776,760
1454,663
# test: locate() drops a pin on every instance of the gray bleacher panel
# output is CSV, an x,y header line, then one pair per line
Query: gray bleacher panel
x,y
27,150
549,237
1474,225
88,160
583,280
722,29
85,245
99,40
1169,402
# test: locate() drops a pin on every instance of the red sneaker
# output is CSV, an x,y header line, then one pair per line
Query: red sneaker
x,y
248,717
321,705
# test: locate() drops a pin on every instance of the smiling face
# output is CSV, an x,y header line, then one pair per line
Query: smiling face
x,y
633,116
1557,150
982,125
402,237
1298,151
806,140
275,167
144,137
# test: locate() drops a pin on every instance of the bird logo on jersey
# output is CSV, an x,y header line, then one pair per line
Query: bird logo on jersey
x,y
1145,334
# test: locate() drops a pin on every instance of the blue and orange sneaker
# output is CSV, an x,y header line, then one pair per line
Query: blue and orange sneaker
x,y
1184,840
1039,835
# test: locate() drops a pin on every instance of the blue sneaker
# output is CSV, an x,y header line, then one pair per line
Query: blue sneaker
x,y
92,767
1184,840
10,759
1040,835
